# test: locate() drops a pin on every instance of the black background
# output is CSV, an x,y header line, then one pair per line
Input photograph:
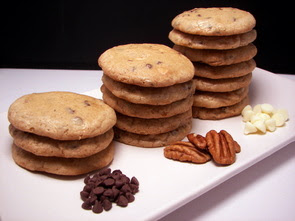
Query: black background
x,y
72,34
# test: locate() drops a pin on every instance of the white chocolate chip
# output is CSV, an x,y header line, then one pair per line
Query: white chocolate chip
x,y
267,108
260,125
279,118
249,128
247,115
270,124
284,112
257,108
263,116
255,118
246,108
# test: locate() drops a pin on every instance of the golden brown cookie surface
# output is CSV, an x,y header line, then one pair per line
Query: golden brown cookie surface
x,y
220,113
214,21
153,140
61,115
144,110
63,166
152,126
219,57
146,95
146,65
224,71
222,85
219,99
212,42
45,146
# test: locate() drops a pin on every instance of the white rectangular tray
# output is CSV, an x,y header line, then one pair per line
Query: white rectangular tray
x,y
165,185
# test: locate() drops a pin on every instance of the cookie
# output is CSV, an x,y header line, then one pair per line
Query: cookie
x,y
214,21
220,113
146,95
45,146
154,140
152,126
225,71
219,99
219,57
222,85
212,42
61,115
146,65
145,110
63,166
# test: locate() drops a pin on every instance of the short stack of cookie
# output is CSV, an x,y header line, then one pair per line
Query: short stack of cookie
x,y
219,43
150,87
61,133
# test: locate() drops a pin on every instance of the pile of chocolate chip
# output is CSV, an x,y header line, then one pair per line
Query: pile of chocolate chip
x,y
106,187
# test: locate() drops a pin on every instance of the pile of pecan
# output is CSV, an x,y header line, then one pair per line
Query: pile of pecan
x,y
221,147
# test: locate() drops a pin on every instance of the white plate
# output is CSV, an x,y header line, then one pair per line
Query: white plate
x,y
165,185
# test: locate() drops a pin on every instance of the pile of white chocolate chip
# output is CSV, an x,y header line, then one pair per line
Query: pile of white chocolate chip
x,y
262,118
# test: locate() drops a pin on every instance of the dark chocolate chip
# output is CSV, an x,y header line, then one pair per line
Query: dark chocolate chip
x,y
109,182
134,181
84,195
98,190
86,205
97,208
86,102
107,204
122,201
149,66
130,197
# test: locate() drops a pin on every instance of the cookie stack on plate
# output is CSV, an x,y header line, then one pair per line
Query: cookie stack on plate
x,y
219,43
150,87
61,132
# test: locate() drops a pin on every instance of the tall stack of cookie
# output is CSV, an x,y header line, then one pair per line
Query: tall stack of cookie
x,y
150,87
219,43
61,132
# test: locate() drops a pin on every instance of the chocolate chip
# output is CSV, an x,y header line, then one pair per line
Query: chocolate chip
x,y
70,110
105,171
107,204
98,190
86,206
106,187
109,182
97,208
149,66
130,197
134,181
84,195
126,188
122,201
86,102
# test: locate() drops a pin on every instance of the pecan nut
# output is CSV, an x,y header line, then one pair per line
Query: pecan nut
x,y
198,140
185,152
222,147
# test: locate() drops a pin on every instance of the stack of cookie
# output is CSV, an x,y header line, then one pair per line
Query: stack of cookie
x,y
219,43
61,133
150,87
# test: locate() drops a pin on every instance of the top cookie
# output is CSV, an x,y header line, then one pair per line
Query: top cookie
x,y
146,65
61,115
214,21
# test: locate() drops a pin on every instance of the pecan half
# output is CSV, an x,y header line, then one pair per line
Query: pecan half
x,y
231,141
185,152
198,140
222,147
